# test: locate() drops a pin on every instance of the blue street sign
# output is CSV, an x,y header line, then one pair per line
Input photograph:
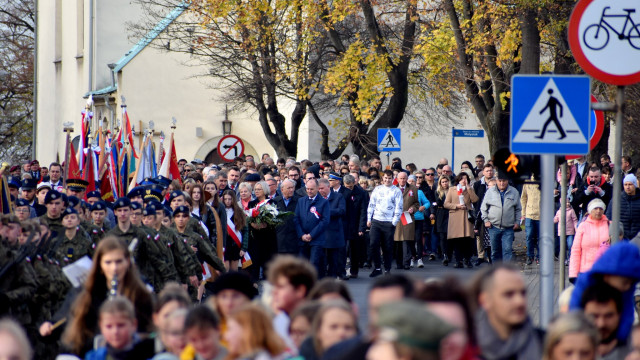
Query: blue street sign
x,y
389,140
550,114
468,133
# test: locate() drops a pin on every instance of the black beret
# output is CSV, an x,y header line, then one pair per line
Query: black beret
x,y
122,202
181,210
233,281
52,195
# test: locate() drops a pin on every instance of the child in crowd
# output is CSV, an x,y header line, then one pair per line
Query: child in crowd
x,y
118,324
202,328
571,226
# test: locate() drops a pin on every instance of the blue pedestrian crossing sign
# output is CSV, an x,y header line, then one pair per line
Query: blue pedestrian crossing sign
x,y
550,114
389,140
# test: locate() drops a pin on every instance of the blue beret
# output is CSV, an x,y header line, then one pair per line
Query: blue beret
x,y
135,205
98,205
155,203
21,202
52,195
122,202
163,181
149,211
167,211
29,184
69,211
73,201
95,194
252,177
135,192
181,210
13,181
175,194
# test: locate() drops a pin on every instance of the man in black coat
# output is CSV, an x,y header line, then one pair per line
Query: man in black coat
x,y
357,220
302,191
286,232
594,187
480,188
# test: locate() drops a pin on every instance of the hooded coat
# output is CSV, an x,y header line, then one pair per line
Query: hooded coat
x,y
621,259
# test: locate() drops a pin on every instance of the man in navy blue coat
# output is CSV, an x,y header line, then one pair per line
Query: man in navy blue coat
x,y
286,232
312,219
335,242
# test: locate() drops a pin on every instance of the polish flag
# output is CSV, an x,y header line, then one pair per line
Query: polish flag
x,y
406,218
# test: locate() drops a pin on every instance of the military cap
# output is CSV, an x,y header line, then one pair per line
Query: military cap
x,y
135,192
175,194
252,177
233,281
181,210
98,205
73,201
149,211
34,162
21,202
121,202
14,168
94,194
152,194
69,211
335,176
44,185
29,184
52,195
13,181
135,205
410,323
163,181
77,185
147,181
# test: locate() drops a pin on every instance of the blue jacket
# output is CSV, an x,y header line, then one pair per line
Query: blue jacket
x,y
419,215
622,259
629,214
335,231
308,223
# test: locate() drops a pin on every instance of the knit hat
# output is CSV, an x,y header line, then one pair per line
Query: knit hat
x,y
233,281
596,203
632,179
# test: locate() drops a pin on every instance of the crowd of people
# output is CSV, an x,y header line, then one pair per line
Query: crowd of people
x,y
291,233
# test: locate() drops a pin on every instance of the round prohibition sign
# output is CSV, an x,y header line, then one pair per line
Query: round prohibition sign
x,y
604,37
230,147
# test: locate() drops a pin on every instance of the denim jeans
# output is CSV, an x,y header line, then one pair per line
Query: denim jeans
x,y
315,255
381,235
501,244
532,230
569,244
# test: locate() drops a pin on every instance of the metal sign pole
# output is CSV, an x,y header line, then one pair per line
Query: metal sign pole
x,y
453,147
614,228
563,228
547,236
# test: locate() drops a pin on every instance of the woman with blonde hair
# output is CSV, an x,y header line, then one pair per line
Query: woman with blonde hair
x,y
334,322
14,344
571,336
441,214
250,335
112,273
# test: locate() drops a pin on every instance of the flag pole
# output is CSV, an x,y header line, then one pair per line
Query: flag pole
x,y
68,129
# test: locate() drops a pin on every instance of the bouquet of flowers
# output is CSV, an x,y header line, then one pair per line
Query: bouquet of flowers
x,y
267,214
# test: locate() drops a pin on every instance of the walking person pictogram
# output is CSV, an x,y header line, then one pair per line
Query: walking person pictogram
x,y
390,142
552,104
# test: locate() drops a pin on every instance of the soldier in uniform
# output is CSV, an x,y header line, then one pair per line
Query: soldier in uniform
x,y
110,220
73,243
203,249
176,199
76,187
98,214
136,195
13,183
22,209
28,187
54,204
149,219
148,258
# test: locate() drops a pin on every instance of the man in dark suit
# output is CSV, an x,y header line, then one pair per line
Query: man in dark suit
x,y
357,220
480,188
335,241
312,218
286,232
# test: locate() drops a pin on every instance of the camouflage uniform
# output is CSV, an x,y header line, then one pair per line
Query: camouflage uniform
x,y
69,251
55,225
18,285
165,253
185,259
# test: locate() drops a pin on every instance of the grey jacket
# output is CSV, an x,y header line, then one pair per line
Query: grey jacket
x,y
498,214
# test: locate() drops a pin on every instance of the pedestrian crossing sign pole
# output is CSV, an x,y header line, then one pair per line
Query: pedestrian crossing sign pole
x,y
550,115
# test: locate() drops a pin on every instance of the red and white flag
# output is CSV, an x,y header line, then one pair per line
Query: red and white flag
x,y
406,218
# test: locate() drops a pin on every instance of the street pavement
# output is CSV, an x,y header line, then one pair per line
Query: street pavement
x,y
434,269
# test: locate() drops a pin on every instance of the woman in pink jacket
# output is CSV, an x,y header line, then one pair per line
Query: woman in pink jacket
x,y
590,235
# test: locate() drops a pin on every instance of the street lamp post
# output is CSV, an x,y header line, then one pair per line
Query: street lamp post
x,y
226,123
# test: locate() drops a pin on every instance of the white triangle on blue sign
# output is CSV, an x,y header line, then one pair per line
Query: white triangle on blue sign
x,y
389,141
542,112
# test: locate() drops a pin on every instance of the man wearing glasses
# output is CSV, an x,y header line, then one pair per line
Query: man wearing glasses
x,y
302,191
429,189
294,174
446,171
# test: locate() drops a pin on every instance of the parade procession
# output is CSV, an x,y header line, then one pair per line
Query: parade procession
x,y
319,180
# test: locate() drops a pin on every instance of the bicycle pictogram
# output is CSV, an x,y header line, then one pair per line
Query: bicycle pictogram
x,y
596,36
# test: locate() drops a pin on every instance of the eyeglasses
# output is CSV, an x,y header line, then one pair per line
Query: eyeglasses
x,y
419,177
429,174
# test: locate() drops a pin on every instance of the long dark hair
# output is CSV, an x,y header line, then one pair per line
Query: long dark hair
x,y
216,198
84,310
239,218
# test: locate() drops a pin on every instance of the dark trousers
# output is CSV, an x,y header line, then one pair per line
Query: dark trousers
x,y
419,238
462,248
358,253
381,235
316,256
398,252
447,249
337,261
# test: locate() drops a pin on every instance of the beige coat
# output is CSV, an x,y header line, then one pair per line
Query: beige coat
x,y
459,224
530,201
410,200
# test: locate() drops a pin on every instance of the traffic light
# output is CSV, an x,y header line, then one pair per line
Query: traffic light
x,y
518,168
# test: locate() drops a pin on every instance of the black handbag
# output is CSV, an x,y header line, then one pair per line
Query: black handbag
x,y
471,216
